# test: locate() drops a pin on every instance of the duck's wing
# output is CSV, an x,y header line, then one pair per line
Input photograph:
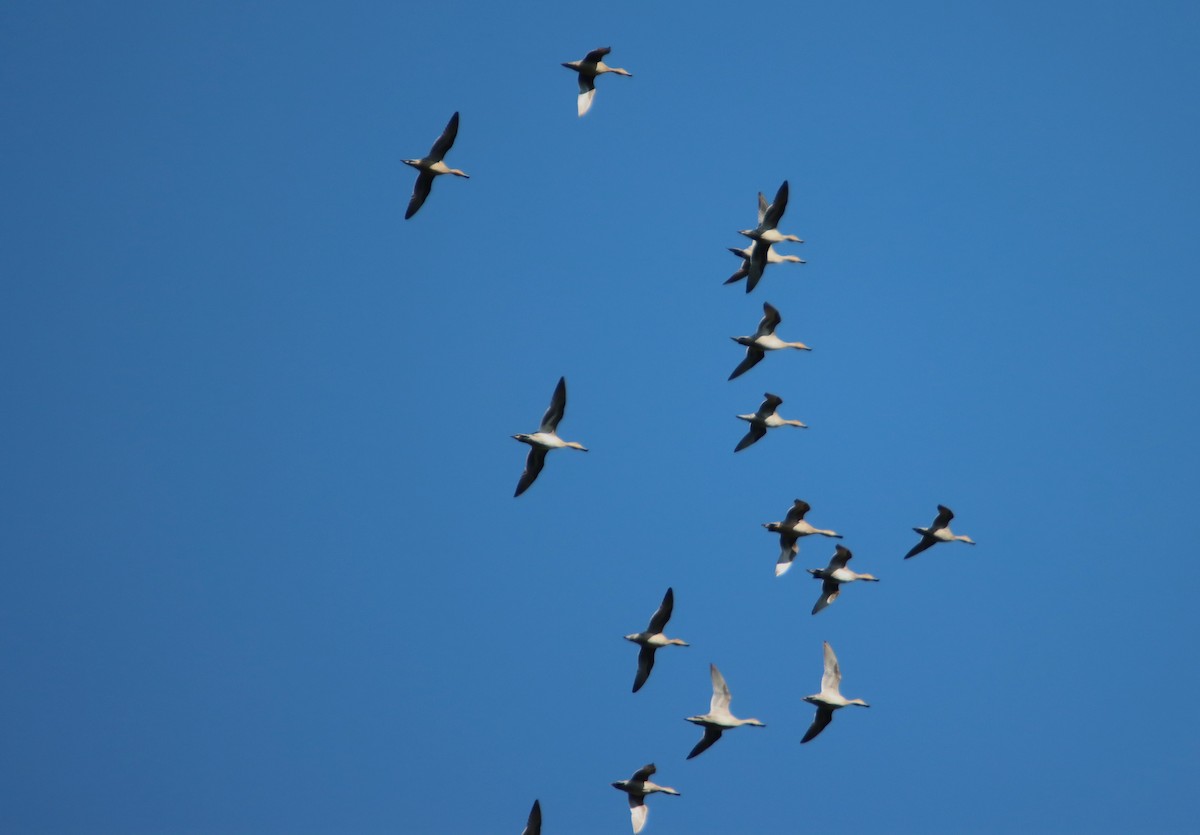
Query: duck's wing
x,y
829,593
841,556
770,320
831,681
558,405
751,437
645,665
534,825
796,512
758,262
596,55
720,695
711,735
739,275
788,548
944,516
753,357
770,403
533,466
587,92
446,141
926,542
763,205
824,717
775,211
659,619
643,774
637,812
420,192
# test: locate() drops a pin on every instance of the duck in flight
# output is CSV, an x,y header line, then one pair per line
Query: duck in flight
x,y
830,698
591,66
764,419
718,719
766,232
653,638
763,340
546,438
834,575
939,531
637,787
790,530
754,263
432,165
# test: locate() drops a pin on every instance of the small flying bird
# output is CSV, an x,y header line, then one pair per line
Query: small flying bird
x,y
939,531
830,698
790,530
590,67
766,231
754,263
764,419
432,165
546,438
637,787
533,826
763,340
718,719
834,575
653,638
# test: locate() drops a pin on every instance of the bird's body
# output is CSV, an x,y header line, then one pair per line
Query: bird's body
x,y
638,787
939,531
588,68
764,419
545,439
830,698
653,638
718,719
790,530
432,166
763,340
833,575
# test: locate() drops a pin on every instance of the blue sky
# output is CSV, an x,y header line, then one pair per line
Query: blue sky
x,y
263,568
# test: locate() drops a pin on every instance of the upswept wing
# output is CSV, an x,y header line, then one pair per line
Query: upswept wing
x,y
446,141
659,619
558,405
841,556
831,681
796,512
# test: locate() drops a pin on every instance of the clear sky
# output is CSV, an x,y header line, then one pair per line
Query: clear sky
x,y
262,567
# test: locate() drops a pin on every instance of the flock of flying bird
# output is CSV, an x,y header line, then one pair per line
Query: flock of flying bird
x,y
755,258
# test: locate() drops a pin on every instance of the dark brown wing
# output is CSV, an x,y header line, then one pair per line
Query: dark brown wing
x,y
659,619
750,438
533,466
643,774
420,192
711,735
841,556
534,825
645,665
753,357
446,141
796,512
558,405
596,55
776,209
926,542
944,516
829,592
824,717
